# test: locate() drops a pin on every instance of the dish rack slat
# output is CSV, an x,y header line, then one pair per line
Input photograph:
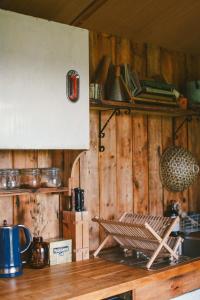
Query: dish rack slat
x,y
145,233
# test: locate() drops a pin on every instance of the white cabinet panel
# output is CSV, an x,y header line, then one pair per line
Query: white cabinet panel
x,y
35,56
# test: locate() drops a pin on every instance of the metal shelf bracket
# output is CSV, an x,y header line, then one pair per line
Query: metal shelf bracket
x,y
102,128
176,130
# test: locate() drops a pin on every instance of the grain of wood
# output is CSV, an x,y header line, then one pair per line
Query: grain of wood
x,y
69,159
25,159
97,279
89,179
58,160
123,51
170,288
154,152
124,171
23,205
44,158
153,60
166,65
45,213
100,45
107,172
140,165
138,59
179,70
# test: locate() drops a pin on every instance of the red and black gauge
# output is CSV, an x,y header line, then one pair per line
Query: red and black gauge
x,y
73,82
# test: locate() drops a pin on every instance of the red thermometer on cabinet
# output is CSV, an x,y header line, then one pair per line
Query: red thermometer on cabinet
x,y
73,82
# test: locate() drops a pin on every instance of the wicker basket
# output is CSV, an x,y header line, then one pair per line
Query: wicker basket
x,y
178,168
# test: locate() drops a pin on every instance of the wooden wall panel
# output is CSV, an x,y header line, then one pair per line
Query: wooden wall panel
x,y
24,205
140,165
124,170
166,61
154,139
138,58
153,61
89,180
38,212
150,136
108,172
123,51
166,65
46,209
124,181
100,45
154,153
179,70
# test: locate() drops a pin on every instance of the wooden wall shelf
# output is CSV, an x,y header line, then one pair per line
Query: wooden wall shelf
x,y
115,108
161,110
18,192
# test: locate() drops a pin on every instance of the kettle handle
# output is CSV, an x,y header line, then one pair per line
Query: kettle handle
x,y
27,236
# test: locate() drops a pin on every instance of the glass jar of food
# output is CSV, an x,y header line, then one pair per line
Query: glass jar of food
x,y
9,179
50,177
30,178
38,253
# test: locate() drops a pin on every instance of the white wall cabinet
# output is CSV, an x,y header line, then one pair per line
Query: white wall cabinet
x,y
35,56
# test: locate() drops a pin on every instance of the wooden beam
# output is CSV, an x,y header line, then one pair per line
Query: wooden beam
x,y
87,12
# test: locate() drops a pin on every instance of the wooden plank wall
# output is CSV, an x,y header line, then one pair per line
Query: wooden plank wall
x,y
126,176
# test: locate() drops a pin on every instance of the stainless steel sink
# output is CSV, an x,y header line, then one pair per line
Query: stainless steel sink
x,y
136,259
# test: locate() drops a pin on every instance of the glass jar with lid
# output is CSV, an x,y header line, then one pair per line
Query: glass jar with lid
x,y
9,179
50,177
30,178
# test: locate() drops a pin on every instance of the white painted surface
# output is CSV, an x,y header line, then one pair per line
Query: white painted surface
x,y
35,56
194,295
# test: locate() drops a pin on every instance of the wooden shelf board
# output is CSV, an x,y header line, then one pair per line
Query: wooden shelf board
x,y
18,192
162,110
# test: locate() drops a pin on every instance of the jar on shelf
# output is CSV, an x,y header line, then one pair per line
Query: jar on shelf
x,y
9,179
50,177
38,253
30,178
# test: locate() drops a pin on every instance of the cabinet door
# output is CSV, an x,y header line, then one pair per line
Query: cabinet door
x,y
35,57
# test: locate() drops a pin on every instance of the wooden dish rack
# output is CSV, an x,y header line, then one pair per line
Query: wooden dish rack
x,y
144,233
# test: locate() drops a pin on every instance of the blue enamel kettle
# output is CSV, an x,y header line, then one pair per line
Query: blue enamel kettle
x,y
11,250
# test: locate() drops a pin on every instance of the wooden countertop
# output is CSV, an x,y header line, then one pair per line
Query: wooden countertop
x,y
97,279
